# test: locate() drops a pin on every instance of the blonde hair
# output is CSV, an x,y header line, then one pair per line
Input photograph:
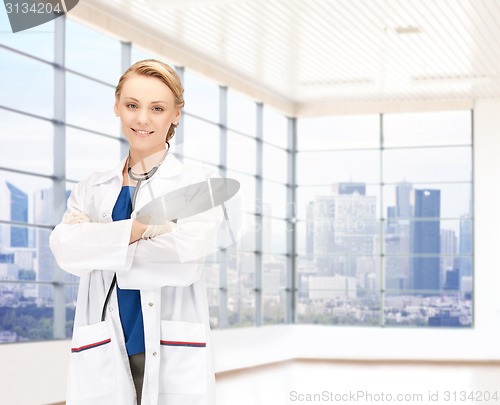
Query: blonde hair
x,y
162,71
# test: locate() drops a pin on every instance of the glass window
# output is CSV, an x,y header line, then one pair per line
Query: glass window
x,y
275,128
201,141
274,232
273,307
241,113
241,281
449,309
428,129
427,236
25,194
27,85
90,105
444,164
452,200
246,193
22,318
201,96
241,153
275,163
244,231
339,132
409,213
368,199
87,153
213,300
335,300
139,53
342,235
273,272
37,41
28,146
274,202
92,53
319,168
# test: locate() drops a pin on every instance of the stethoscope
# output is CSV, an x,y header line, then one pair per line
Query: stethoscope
x,y
139,178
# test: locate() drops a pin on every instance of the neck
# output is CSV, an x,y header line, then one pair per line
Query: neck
x,y
143,161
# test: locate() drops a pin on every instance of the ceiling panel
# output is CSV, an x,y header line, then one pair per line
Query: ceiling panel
x,y
335,52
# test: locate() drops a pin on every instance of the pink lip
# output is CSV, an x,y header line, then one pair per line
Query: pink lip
x,y
142,133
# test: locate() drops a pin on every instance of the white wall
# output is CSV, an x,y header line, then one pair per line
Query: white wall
x,y
35,373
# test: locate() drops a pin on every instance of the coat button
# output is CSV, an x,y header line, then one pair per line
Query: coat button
x,y
154,353
104,214
151,304
110,309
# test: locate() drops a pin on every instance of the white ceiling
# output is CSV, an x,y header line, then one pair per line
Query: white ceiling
x,y
318,56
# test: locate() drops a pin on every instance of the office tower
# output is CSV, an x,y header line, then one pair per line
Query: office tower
x,y
5,215
448,252
451,280
352,188
43,215
345,228
16,212
465,246
310,230
324,233
425,240
403,199
391,226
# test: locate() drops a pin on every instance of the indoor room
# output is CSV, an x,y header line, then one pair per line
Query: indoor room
x,y
356,260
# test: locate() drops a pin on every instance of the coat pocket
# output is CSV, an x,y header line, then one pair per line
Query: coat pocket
x,y
183,358
91,363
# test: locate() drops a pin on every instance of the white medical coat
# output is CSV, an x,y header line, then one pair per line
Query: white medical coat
x,y
166,270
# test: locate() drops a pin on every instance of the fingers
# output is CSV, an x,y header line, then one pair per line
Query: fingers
x,y
76,217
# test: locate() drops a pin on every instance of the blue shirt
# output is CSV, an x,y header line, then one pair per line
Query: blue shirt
x,y
129,301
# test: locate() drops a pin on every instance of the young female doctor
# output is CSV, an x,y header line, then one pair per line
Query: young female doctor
x,y
141,333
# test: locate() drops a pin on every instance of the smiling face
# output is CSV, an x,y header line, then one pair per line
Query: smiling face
x,y
146,107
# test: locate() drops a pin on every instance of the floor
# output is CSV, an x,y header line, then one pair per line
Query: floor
x,y
328,382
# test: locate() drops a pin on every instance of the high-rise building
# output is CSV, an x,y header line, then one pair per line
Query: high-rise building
x,y
345,228
18,213
324,233
425,240
310,230
42,212
465,246
43,215
14,207
351,188
403,200
5,215
448,251
397,239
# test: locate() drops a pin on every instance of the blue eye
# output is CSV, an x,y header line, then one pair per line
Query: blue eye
x,y
131,105
157,109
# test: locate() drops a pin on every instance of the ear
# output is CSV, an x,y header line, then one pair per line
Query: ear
x,y
116,109
178,115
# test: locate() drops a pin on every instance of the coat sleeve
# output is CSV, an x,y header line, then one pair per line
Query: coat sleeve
x,y
82,247
175,258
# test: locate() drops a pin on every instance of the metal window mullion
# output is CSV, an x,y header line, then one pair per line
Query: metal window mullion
x,y
126,58
223,293
259,218
59,184
291,265
179,131
382,256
